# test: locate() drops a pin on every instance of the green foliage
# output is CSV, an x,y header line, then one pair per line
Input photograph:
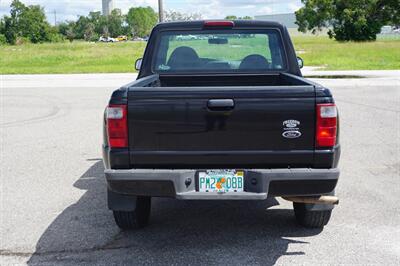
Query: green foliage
x,y
91,27
30,22
89,32
232,17
10,30
95,24
141,20
26,22
98,20
357,20
54,35
3,39
63,28
22,41
115,21
70,34
2,26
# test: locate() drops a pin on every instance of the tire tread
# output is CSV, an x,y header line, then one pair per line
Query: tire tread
x,y
139,218
311,219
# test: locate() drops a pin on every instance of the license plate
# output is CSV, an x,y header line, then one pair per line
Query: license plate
x,y
221,181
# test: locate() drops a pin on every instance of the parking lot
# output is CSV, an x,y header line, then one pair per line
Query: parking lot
x,y
53,194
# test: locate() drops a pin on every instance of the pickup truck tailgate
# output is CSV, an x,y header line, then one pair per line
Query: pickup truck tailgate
x,y
181,127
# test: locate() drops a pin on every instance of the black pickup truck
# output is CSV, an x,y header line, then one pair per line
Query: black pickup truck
x,y
220,111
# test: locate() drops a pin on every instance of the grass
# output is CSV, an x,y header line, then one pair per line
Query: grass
x,y
81,57
76,57
383,54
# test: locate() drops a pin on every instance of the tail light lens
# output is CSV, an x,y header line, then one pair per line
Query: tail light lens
x,y
219,23
326,125
117,126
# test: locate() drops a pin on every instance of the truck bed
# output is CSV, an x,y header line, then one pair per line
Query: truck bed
x,y
173,126
279,79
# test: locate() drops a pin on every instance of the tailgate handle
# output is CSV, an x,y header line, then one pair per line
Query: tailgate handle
x,y
221,104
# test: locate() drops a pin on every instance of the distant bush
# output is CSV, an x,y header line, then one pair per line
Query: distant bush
x,y
22,40
3,39
94,38
56,37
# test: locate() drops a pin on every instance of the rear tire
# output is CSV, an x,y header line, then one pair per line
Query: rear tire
x,y
311,219
139,218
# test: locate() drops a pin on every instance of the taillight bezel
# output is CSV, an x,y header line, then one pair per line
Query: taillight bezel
x,y
117,126
326,126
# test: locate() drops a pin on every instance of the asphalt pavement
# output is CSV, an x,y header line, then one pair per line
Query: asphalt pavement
x,y
53,195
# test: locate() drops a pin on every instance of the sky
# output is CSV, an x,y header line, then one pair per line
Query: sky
x,y
70,9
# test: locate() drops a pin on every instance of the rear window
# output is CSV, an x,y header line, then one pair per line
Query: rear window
x,y
219,51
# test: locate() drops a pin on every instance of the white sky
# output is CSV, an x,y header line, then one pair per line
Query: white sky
x,y
70,9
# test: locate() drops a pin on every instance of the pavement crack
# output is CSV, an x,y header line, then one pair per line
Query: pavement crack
x,y
8,253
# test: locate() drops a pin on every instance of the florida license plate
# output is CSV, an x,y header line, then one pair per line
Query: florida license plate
x,y
221,181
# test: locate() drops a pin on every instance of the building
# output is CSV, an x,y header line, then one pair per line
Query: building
x,y
108,6
287,20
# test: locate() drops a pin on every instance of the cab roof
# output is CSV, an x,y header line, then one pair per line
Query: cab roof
x,y
199,24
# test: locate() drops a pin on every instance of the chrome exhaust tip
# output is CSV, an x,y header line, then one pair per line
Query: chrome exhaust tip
x,y
314,200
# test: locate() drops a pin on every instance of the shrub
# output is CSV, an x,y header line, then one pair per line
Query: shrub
x,y
56,37
22,40
94,38
3,39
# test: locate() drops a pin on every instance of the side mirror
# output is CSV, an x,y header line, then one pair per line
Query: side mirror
x,y
138,63
300,62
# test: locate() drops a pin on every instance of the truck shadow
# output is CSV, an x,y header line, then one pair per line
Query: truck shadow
x,y
181,232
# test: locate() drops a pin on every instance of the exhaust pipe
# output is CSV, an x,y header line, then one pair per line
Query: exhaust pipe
x,y
314,200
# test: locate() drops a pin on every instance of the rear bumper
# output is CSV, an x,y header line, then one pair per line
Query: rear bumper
x,y
259,183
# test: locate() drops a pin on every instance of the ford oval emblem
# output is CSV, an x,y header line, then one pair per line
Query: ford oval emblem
x,y
291,134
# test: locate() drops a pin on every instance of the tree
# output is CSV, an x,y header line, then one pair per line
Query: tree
x,y
105,32
2,26
99,21
10,30
115,21
141,20
70,34
63,27
80,27
89,32
231,17
29,22
178,16
357,20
